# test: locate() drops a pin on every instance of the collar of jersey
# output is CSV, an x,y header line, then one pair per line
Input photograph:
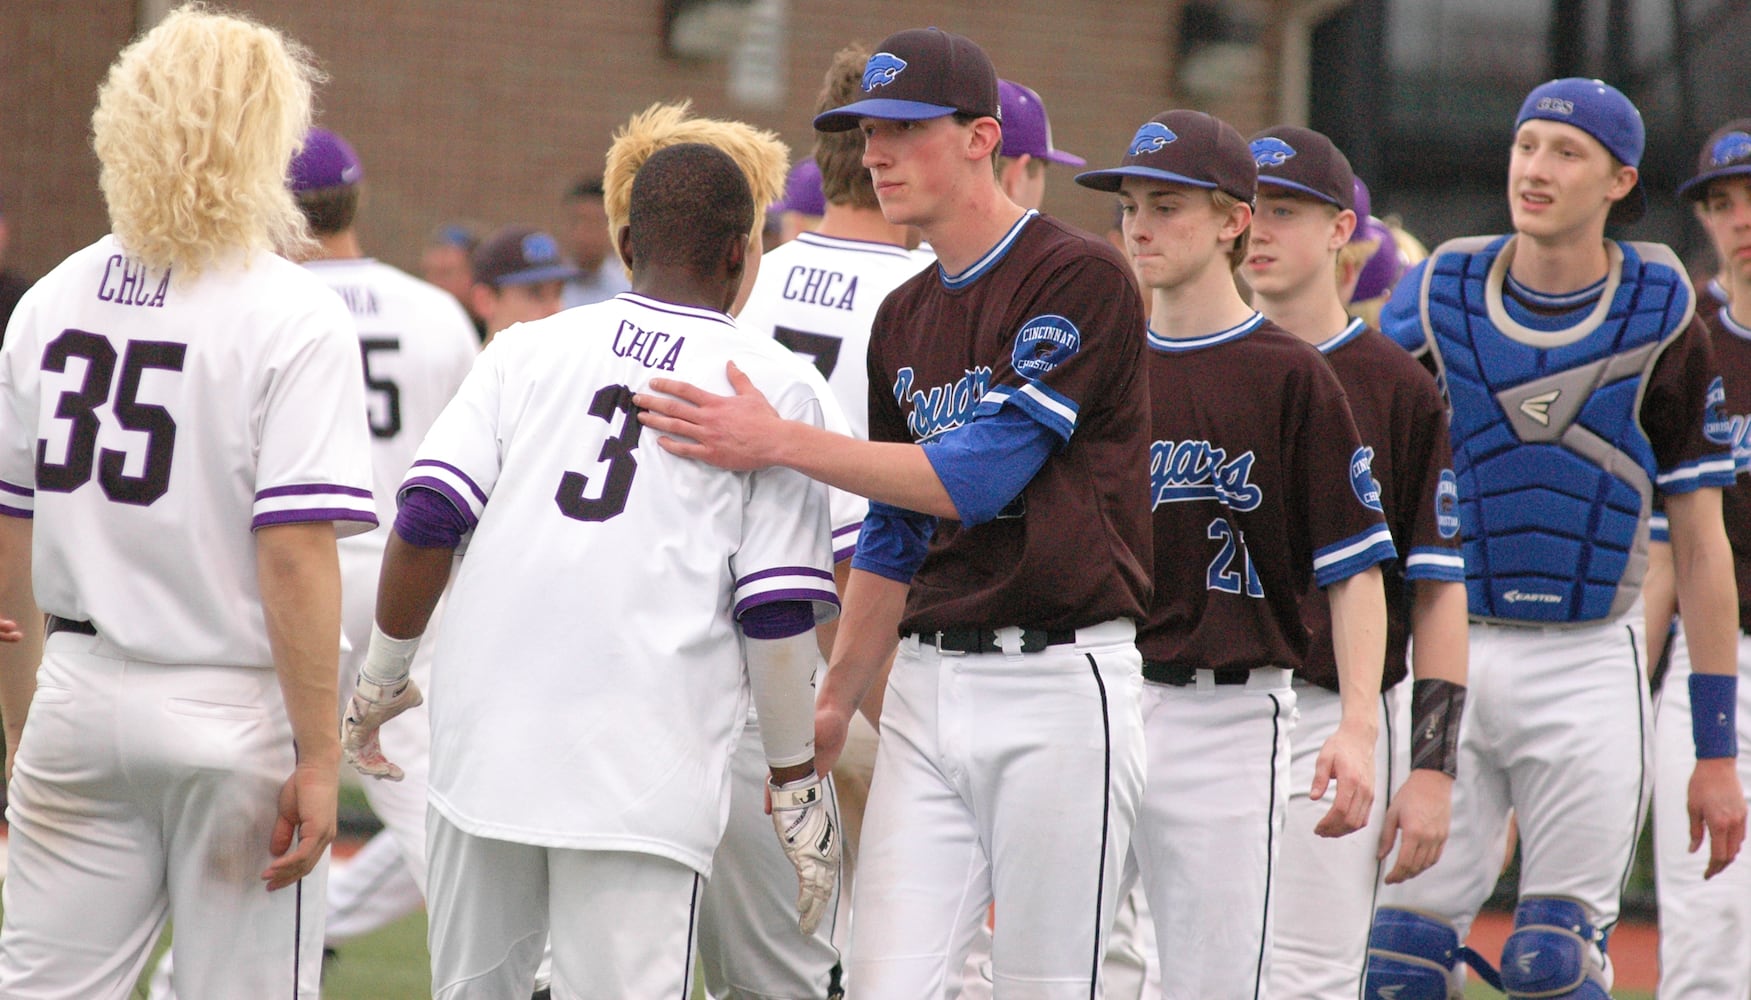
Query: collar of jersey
x,y
1168,345
657,305
858,246
987,262
1347,334
1545,300
1732,326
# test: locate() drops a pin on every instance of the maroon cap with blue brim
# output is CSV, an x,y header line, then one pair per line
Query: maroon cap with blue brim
x,y
1184,147
918,74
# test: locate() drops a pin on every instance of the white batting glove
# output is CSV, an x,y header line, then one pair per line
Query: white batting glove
x,y
372,705
811,840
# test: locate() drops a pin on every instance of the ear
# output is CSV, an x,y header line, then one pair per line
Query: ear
x,y
623,245
1343,227
1239,221
1623,181
483,298
984,137
736,256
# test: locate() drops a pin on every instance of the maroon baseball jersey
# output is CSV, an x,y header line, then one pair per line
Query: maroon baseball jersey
x,y
1729,423
1047,322
1260,487
1400,415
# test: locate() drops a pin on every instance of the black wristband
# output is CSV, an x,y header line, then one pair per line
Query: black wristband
x,y
1436,708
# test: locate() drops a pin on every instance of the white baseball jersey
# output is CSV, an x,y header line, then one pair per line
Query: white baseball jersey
x,y
589,685
818,295
137,414
417,346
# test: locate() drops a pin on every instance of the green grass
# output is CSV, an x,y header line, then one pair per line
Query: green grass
x,y
390,964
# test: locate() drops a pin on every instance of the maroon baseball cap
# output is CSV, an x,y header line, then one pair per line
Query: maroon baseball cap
x,y
1026,130
1184,147
1726,153
326,161
1305,161
519,255
918,74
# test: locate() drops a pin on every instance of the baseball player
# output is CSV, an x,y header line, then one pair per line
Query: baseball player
x,y
560,498
1704,924
179,447
1325,888
1027,145
748,940
519,276
1010,551
1259,487
803,204
1580,385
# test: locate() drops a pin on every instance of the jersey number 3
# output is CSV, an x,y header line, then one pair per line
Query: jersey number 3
x,y
79,407
616,451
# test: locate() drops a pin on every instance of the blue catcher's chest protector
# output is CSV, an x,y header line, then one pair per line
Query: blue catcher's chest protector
x,y
1556,477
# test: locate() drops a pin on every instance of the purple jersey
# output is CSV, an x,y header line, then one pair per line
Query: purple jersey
x,y
1260,487
1729,423
1046,323
1399,413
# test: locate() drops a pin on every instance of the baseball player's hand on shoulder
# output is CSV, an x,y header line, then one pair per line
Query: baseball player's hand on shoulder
x,y
306,823
1348,759
731,432
810,837
1422,813
369,708
1717,805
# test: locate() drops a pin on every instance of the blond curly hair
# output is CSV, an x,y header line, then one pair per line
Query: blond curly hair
x,y
195,127
763,157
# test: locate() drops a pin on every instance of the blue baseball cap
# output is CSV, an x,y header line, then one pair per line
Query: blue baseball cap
x,y
1600,110
1727,152
1184,147
918,74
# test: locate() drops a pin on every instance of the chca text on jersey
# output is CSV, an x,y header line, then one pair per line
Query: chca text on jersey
x,y
939,408
641,345
1198,470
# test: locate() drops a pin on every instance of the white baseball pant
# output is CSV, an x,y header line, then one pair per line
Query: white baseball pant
x,y
1705,927
1128,971
1011,777
1210,829
143,791
1558,727
1326,886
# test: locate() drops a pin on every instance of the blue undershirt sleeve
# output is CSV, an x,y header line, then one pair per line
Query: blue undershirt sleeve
x,y
893,542
984,464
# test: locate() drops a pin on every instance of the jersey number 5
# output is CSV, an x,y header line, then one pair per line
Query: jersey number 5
x,y
390,423
79,407
616,451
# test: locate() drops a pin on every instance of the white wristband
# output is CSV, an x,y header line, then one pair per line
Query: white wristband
x,y
387,660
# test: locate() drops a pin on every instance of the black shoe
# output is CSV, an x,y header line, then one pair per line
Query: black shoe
x,y
544,993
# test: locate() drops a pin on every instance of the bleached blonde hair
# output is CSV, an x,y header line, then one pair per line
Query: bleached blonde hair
x,y
195,127
763,157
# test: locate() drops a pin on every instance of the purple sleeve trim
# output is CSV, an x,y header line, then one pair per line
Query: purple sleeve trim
x,y
312,514
479,493
840,555
15,512
767,597
778,619
847,529
784,571
6,487
427,520
311,488
444,490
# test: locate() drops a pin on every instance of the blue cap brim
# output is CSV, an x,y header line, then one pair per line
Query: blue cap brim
x,y
1304,189
557,272
1697,187
1114,178
845,119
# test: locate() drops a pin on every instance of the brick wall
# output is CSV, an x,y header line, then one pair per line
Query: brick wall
x,y
487,110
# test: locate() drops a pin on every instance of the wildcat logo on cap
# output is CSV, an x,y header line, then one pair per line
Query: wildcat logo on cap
x,y
539,247
1732,147
1150,139
881,70
1271,151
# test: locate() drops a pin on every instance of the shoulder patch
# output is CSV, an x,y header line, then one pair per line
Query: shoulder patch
x,y
1362,478
1447,505
1716,425
1044,343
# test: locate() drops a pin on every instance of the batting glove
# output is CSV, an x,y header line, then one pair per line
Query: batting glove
x,y
810,837
372,705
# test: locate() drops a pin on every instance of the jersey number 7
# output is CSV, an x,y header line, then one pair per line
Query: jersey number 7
x,y
79,407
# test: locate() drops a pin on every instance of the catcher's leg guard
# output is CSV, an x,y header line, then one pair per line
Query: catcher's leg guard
x,y
1411,956
1554,952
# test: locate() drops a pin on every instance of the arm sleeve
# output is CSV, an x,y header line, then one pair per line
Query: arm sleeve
x,y
786,550
985,463
781,673
893,543
1683,399
1402,317
314,448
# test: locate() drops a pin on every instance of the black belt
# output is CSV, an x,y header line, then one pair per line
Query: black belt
x,y
1185,675
73,625
984,640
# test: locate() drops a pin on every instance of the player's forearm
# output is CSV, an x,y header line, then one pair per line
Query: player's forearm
x,y
1659,599
1702,565
868,634
1439,630
896,474
781,674
409,585
298,570
1358,614
18,660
